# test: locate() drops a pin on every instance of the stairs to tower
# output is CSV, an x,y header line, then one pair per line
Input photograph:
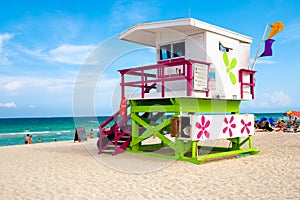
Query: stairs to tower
x,y
117,137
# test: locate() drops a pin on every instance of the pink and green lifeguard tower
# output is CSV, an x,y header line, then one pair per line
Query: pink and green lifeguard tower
x,y
190,97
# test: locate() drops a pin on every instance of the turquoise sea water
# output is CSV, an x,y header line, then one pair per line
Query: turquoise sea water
x,y
13,130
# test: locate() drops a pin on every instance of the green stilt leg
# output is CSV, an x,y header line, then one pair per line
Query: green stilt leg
x,y
235,143
250,142
135,135
194,149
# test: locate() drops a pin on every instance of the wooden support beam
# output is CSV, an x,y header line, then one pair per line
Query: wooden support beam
x,y
151,130
166,141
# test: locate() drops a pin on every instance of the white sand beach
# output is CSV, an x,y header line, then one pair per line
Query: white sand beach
x,y
67,170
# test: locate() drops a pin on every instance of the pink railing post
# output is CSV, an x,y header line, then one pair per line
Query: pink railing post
x,y
100,140
208,79
122,86
143,84
251,84
162,81
189,79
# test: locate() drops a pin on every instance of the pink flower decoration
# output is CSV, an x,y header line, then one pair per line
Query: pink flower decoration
x,y
203,126
245,127
229,126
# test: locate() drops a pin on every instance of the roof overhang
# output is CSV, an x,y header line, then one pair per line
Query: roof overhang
x,y
145,33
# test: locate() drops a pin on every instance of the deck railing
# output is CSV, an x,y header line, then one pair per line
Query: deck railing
x,y
157,75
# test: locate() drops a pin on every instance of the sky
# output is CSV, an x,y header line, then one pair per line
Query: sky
x,y
46,47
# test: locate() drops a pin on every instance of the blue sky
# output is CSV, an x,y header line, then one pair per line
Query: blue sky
x,y
43,46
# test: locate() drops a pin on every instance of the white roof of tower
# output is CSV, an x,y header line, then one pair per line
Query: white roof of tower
x,y
145,33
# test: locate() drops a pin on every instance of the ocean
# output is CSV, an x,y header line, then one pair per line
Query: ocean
x,y
50,129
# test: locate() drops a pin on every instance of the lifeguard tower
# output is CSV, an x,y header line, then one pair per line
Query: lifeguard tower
x,y
191,95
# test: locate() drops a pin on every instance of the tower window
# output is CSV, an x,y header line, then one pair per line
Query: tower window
x,y
172,50
178,49
223,48
165,52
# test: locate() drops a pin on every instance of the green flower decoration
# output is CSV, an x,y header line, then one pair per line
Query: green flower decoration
x,y
230,67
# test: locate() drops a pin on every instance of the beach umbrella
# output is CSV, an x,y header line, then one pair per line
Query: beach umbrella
x,y
272,120
297,114
289,113
262,119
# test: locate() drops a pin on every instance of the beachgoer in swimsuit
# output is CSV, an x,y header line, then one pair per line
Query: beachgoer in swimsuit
x,y
30,139
26,139
92,134
266,126
294,123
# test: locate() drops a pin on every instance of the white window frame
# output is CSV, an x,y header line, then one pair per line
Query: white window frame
x,y
172,50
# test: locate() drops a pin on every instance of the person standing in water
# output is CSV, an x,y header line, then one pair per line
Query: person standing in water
x,y
30,139
26,139
92,133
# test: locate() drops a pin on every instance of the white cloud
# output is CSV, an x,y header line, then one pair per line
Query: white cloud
x,y
271,102
291,32
17,84
275,100
31,106
3,55
4,60
3,38
66,53
53,85
71,54
278,98
12,86
8,105
37,53
264,61
108,84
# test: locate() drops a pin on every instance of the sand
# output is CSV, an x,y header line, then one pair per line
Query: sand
x,y
67,170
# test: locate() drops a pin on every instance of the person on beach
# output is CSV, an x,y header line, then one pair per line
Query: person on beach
x,y
291,119
39,140
280,124
92,133
30,139
294,123
26,139
76,138
258,125
266,126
